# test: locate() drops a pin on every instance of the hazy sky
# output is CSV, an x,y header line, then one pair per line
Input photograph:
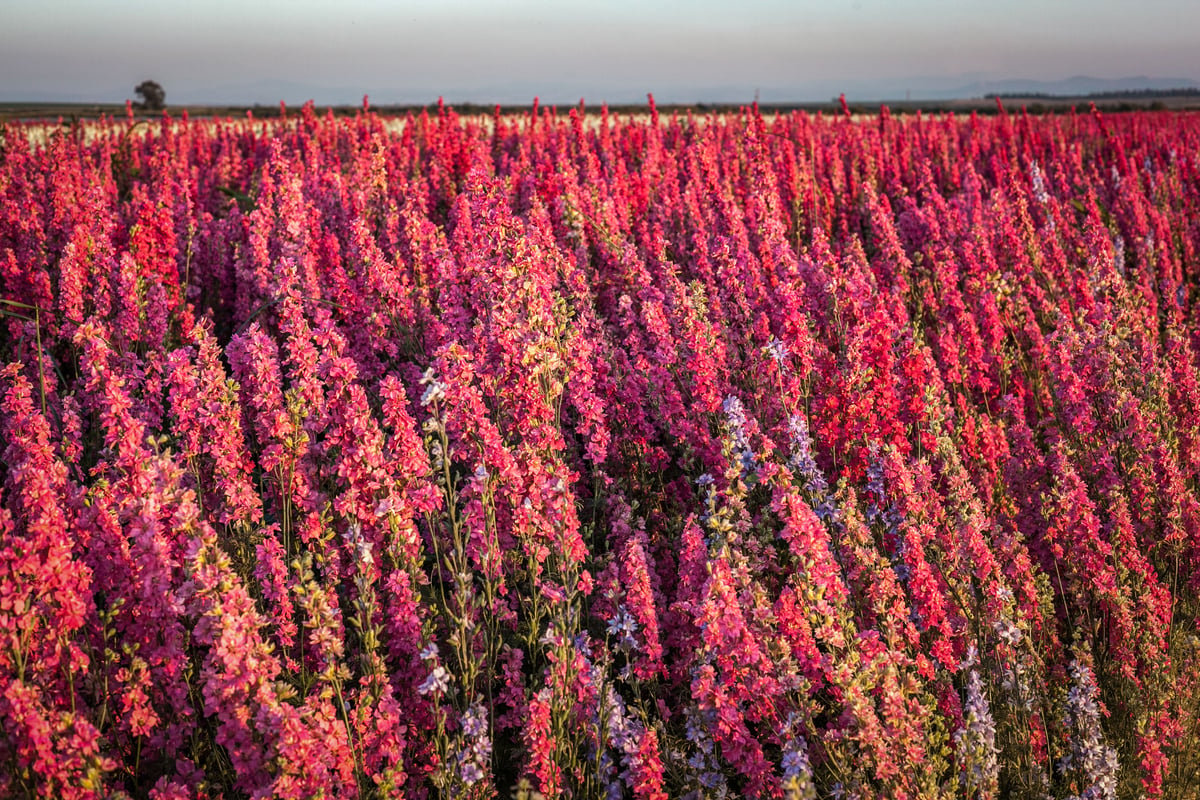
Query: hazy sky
x,y
615,50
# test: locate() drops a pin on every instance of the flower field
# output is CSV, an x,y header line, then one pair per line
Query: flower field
x,y
565,455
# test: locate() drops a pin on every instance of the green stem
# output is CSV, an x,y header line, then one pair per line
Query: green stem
x,y
37,321
359,774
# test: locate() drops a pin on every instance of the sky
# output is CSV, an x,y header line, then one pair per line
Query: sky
x,y
248,51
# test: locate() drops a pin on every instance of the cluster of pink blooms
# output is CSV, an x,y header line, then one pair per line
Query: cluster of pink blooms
x,y
564,455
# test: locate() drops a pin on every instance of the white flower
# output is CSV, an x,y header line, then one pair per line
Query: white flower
x,y
438,681
1008,632
434,389
388,505
360,545
777,350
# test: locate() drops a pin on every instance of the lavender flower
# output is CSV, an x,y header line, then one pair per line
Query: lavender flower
x,y
703,762
623,626
839,791
623,732
878,509
735,418
470,772
975,741
805,467
1095,762
474,721
778,351
476,755
797,771
1039,184
802,458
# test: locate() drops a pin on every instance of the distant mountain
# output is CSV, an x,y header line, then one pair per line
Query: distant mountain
x,y
269,92
1077,86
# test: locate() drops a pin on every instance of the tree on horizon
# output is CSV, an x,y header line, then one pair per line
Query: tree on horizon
x,y
154,97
